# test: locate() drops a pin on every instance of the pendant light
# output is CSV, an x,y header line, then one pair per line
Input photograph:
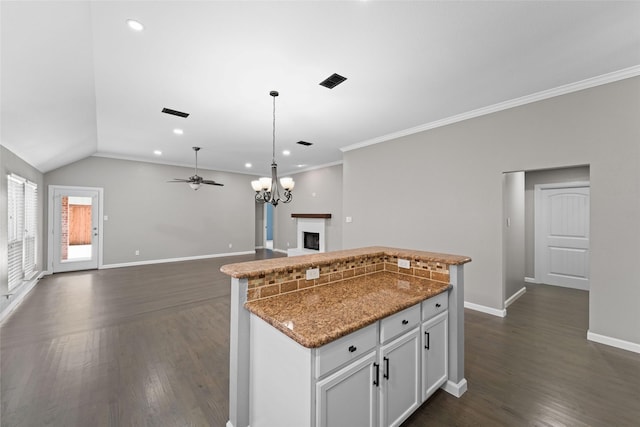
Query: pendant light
x,y
267,189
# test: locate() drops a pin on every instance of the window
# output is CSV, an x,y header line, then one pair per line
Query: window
x,y
22,229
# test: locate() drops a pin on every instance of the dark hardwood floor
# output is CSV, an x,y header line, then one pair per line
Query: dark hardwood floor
x,y
148,346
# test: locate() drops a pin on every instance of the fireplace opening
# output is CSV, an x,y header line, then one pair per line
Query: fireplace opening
x,y
311,240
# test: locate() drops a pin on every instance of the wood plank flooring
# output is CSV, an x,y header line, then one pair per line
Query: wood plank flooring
x,y
149,346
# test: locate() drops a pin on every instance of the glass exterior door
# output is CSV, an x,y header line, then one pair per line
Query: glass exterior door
x,y
75,229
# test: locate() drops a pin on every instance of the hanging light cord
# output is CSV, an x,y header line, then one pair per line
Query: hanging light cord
x,y
274,131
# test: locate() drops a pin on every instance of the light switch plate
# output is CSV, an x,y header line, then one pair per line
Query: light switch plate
x,y
404,263
313,273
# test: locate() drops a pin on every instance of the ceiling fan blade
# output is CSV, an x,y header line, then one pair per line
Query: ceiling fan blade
x,y
196,179
208,181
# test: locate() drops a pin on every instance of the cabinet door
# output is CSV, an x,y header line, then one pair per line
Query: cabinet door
x,y
400,378
434,354
348,397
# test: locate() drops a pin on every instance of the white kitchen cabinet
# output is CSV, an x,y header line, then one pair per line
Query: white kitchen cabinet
x,y
400,378
349,396
375,376
434,354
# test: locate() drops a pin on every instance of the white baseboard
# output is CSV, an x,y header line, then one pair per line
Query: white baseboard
x,y
530,280
514,297
27,287
161,261
613,342
485,309
259,247
282,251
454,389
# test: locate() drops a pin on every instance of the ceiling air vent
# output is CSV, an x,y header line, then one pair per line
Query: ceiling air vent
x,y
332,81
175,112
305,143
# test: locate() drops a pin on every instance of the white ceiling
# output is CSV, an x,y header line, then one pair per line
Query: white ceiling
x,y
76,81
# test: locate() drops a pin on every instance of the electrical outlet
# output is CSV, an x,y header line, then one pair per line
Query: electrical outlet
x,y
137,251
313,273
230,245
404,263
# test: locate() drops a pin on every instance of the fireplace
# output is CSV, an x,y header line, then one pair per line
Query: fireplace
x,y
311,240
310,234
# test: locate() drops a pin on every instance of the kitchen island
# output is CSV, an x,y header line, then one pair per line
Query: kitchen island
x,y
290,318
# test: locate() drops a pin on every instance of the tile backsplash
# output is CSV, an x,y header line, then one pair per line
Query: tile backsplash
x,y
294,279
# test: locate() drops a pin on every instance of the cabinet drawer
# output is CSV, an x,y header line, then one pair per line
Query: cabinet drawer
x,y
345,349
435,305
398,323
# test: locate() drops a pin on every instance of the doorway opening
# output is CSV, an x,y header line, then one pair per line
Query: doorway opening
x,y
268,225
521,260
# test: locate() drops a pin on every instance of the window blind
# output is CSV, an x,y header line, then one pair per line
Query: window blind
x,y
30,228
22,200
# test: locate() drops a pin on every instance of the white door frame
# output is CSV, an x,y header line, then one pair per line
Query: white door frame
x,y
538,236
51,225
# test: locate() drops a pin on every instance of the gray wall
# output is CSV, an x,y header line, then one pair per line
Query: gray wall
x,y
165,220
442,190
260,225
10,163
532,178
316,191
513,233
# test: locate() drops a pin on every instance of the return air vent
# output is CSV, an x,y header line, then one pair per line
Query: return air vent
x,y
175,112
332,81
305,143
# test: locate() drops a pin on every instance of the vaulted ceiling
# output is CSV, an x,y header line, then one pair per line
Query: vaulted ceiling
x,y
77,81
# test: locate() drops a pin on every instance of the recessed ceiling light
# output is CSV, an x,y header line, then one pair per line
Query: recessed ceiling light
x,y
157,152
286,152
135,25
248,165
178,131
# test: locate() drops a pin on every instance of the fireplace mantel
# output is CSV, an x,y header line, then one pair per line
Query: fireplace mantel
x,y
317,215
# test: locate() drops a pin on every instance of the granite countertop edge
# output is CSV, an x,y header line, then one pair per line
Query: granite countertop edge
x,y
274,265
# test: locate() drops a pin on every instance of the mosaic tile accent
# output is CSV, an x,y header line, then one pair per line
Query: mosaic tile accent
x,y
294,279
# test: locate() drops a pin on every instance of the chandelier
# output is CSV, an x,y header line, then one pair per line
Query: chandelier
x,y
267,189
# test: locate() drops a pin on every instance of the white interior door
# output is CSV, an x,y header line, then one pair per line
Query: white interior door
x,y
74,228
562,235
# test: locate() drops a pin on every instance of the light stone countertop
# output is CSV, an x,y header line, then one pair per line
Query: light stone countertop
x,y
316,316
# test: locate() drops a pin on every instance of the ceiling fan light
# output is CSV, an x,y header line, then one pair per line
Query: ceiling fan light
x,y
194,185
257,185
287,183
266,183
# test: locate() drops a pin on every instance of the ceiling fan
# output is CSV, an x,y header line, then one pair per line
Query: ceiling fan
x,y
195,181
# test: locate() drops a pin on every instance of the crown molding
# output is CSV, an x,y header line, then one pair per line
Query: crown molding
x,y
516,102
